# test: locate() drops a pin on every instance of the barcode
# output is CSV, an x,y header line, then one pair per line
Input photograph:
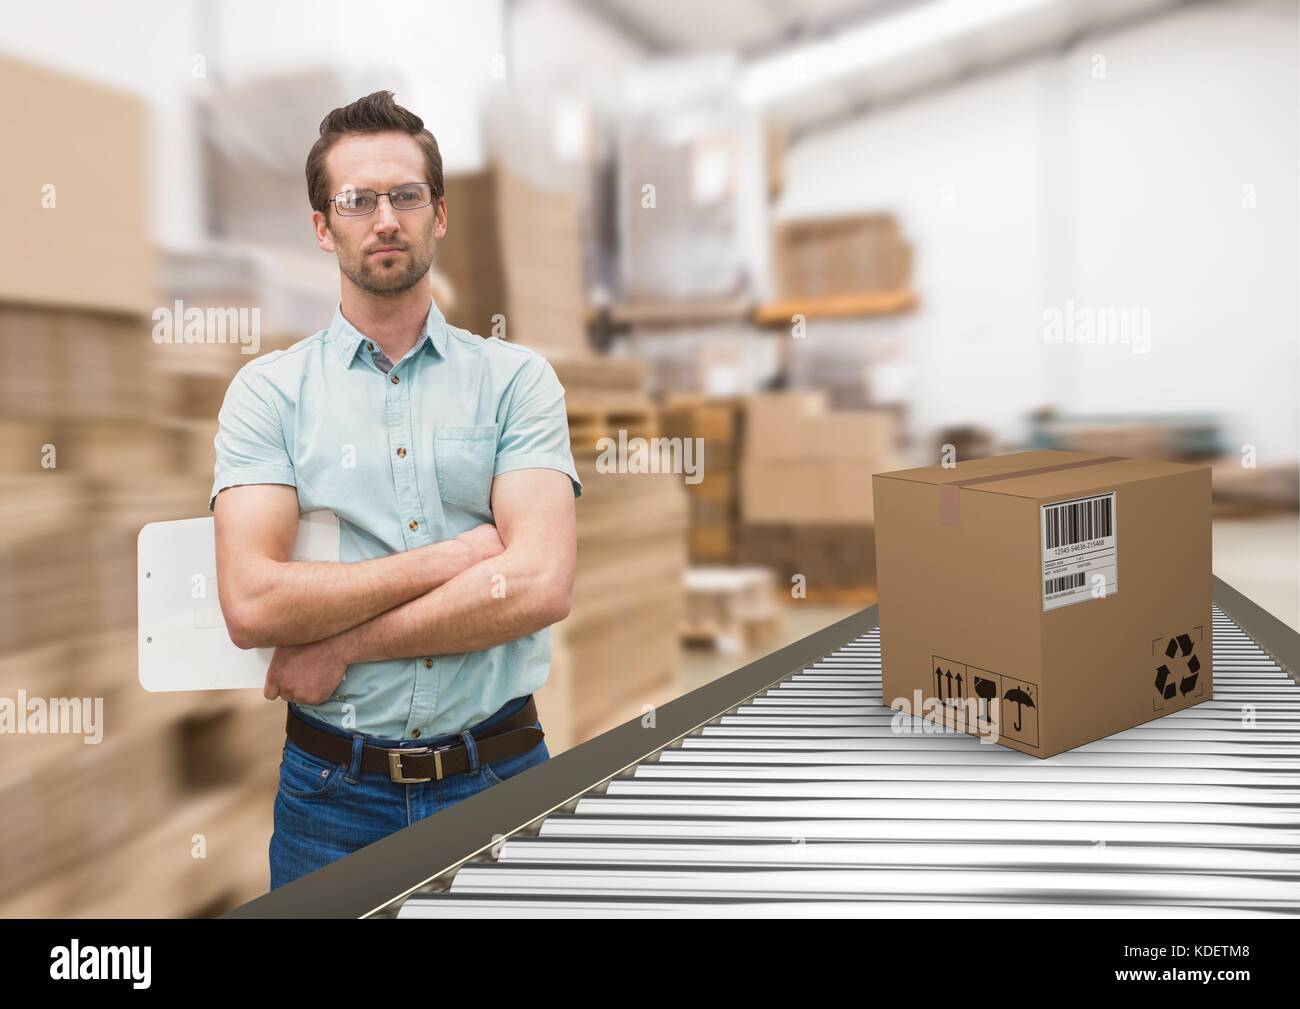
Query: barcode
x,y
1054,585
1078,521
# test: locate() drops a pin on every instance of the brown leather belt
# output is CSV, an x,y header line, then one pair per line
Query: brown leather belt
x,y
517,734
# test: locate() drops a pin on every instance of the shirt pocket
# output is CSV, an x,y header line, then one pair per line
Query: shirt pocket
x,y
466,457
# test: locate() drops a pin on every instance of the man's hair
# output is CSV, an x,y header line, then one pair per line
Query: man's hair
x,y
376,113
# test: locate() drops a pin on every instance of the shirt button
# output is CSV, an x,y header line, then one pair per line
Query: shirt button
x,y
394,380
369,345
401,453
414,524
428,663
415,733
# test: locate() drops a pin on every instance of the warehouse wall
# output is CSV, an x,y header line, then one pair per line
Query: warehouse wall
x,y
244,39
1160,219
453,42
1040,184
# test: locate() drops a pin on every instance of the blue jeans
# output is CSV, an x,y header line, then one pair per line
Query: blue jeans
x,y
324,810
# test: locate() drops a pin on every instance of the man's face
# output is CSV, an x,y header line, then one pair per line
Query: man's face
x,y
387,251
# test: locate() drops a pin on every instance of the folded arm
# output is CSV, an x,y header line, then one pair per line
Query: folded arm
x,y
269,600
527,587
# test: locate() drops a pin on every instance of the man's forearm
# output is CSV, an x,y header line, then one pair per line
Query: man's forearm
x,y
491,602
294,602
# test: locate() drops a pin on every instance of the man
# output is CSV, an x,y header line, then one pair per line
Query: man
x,y
408,669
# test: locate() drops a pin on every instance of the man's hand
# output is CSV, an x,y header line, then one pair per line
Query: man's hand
x,y
307,674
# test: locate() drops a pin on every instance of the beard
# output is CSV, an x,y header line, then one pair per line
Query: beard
x,y
379,275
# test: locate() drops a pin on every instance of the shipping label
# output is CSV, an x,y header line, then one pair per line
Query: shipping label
x,y
1080,551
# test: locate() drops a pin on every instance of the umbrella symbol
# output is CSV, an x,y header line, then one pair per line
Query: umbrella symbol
x,y
1018,697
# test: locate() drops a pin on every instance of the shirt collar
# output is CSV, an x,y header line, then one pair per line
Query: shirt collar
x,y
346,338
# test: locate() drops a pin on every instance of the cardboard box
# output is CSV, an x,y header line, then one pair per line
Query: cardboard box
x,y
840,255
710,542
1043,600
798,426
84,158
513,254
776,423
820,491
806,464
828,558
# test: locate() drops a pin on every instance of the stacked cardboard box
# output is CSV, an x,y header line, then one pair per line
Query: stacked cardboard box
x,y
806,489
821,562
806,464
618,650
469,254
513,257
830,256
604,399
554,140
714,427
83,465
94,443
76,195
77,398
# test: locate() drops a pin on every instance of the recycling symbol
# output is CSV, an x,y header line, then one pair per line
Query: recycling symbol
x,y
1180,673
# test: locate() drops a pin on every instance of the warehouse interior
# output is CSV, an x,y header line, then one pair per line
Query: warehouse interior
x,y
822,239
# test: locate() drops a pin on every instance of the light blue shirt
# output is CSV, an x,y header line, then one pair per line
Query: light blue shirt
x,y
404,457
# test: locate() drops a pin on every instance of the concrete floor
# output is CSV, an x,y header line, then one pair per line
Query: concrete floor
x,y
1259,557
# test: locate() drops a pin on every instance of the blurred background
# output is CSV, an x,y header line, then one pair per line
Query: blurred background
x,y
829,238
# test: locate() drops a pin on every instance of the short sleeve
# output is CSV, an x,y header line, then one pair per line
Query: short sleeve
x,y
535,432
250,440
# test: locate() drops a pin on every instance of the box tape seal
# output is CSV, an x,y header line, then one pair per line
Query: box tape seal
x,y
950,493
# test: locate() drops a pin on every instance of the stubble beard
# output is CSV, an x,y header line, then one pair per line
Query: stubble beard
x,y
368,273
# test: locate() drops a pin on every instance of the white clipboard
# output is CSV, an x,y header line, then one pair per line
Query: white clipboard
x,y
183,641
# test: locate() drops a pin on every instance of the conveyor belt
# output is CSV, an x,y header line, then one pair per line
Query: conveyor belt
x,y
803,801
779,790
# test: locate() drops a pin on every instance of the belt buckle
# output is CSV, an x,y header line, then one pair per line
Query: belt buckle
x,y
395,765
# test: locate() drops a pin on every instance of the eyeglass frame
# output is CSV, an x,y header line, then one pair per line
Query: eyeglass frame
x,y
434,197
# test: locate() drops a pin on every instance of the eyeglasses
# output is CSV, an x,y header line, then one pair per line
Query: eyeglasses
x,y
360,202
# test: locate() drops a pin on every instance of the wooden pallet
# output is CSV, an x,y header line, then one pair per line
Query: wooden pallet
x,y
593,417
729,609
